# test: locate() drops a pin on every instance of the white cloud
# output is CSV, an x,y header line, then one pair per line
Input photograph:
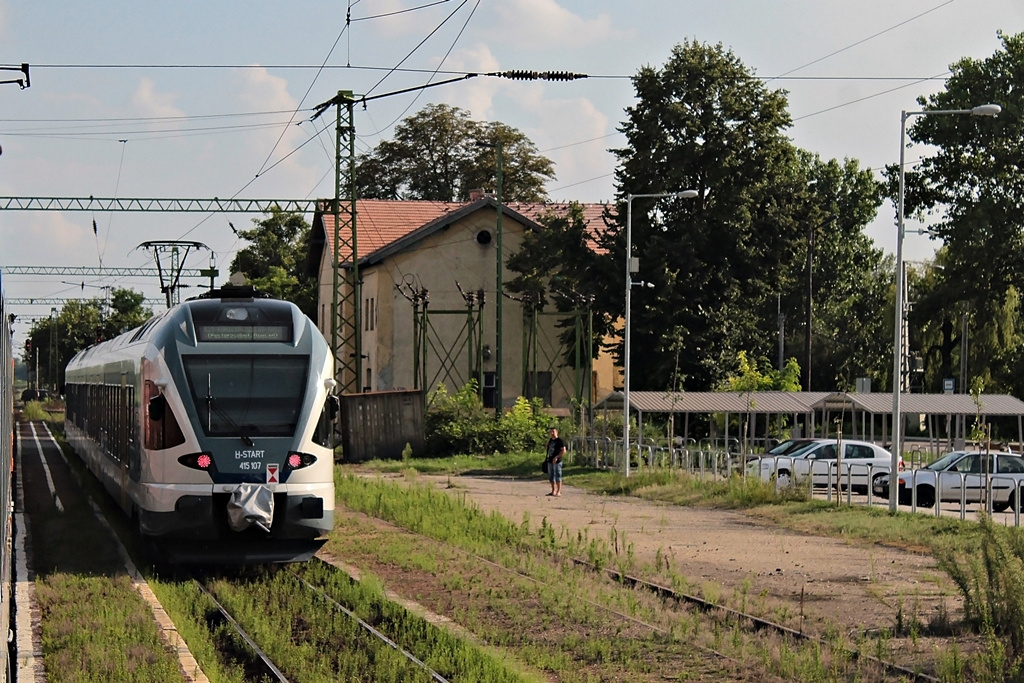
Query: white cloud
x,y
262,92
149,102
66,234
477,94
561,122
546,24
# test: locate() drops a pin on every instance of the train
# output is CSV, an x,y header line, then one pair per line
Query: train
x,y
7,446
212,426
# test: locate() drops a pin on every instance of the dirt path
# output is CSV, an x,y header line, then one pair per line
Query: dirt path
x,y
843,584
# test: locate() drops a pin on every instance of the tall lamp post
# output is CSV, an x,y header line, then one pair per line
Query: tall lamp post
x,y
897,350
630,269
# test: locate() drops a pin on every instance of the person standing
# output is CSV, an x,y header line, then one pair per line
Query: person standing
x,y
555,453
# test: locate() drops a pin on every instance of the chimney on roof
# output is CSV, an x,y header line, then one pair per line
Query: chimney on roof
x,y
476,194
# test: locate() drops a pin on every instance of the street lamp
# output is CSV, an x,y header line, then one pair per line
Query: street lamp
x,y
897,350
630,269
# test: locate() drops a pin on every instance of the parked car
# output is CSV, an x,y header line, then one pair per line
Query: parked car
x,y
960,475
861,465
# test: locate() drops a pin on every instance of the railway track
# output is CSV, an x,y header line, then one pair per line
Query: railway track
x,y
257,664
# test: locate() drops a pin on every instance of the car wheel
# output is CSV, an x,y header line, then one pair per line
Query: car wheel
x,y
1001,507
783,479
876,482
925,496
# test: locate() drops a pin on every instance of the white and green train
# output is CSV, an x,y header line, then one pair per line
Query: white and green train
x,y
212,426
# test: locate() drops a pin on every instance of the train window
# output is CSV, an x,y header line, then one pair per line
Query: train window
x,y
246,396
325,425
162,428
242,321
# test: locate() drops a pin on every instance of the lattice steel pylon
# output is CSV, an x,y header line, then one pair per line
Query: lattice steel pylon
x,y
447,349
346,314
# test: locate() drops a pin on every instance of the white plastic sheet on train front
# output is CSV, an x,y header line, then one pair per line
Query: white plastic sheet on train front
x,y
251,504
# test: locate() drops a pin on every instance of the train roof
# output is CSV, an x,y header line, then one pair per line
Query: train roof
x,y
256,308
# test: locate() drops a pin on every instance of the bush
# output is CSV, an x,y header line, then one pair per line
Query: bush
x,y
34,411
991,580
459,423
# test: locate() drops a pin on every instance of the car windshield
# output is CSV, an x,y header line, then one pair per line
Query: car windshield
x,y
788,446
804,449
945,461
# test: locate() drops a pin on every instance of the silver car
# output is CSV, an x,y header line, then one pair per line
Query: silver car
x,y
861,465
964,476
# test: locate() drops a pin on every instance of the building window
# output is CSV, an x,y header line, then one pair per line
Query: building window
x,y
369,314
489,392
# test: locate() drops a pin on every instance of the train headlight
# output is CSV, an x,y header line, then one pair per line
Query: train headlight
x,y
296,460
198,461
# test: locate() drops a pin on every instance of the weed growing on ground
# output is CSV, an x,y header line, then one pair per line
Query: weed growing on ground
x,y
105,632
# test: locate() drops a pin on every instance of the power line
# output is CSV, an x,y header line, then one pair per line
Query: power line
x,y
448,72
864,40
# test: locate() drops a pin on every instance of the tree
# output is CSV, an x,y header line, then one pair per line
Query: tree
x,y
555,267
852,280
126,312
275,261
80,324
973,188
435,155
720,264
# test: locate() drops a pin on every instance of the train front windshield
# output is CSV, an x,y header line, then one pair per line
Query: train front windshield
x,y
247,396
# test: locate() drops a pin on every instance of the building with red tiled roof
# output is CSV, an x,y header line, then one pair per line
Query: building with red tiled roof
x,y
428,300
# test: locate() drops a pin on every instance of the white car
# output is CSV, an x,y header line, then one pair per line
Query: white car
x,y
862,464
960,475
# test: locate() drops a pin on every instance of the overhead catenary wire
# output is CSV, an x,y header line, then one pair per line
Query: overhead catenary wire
x,y
418,46
864,40
440,64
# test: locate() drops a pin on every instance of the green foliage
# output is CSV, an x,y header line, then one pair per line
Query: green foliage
x,y
968,186
79,325
435,156
275,260
991,580
34,411
724,263
759,375
459,423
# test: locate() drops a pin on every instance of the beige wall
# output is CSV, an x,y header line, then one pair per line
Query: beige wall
x,y
440,263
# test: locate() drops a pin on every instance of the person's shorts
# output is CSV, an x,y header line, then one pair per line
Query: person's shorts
x,y
555,471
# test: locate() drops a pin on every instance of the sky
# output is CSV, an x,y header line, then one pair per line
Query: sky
x,y
199,99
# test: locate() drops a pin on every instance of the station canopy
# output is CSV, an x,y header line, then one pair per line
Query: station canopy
x,y
788,402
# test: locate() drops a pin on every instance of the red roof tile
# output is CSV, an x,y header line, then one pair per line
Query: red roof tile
x,y
382,222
